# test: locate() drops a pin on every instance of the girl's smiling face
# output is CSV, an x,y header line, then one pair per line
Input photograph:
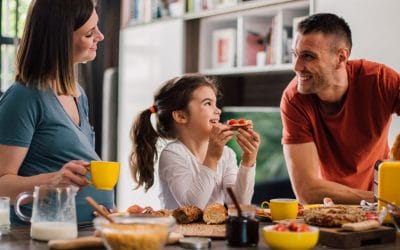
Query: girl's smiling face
x,y
203,110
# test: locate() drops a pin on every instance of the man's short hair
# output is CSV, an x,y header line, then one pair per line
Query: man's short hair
x,y
328,24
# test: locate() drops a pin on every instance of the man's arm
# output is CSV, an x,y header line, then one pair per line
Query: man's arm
x,y
303,166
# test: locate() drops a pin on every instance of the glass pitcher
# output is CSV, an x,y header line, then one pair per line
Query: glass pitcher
x,y
53,212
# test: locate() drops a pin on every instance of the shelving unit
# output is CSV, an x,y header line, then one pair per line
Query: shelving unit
x,y
268,22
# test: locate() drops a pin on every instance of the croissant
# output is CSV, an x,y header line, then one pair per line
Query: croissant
x,y
395,150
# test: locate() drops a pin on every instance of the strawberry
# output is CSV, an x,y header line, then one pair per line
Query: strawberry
x,y
232,122
242,121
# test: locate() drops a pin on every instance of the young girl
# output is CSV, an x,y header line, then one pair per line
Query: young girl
x,y
195,167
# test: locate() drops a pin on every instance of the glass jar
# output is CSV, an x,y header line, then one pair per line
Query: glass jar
x,y
242,231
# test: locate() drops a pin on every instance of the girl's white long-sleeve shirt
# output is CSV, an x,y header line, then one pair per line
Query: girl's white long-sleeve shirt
x,y
184,180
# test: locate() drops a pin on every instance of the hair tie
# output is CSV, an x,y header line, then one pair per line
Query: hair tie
x,y
152,109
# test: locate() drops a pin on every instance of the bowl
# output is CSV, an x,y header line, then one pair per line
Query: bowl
x,y
141,231
290,240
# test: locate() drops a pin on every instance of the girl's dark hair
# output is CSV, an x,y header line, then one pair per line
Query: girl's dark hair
x,y
45,55
173,95
328,24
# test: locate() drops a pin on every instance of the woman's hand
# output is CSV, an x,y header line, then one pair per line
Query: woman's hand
x,y
249,142
219,136
73,173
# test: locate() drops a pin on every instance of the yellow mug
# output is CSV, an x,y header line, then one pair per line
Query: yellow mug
x,y
104,174
282,209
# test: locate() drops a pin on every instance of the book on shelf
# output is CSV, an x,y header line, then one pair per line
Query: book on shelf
x,y
144,11
224,3
271,43
287,44
197,6
254,43
223,48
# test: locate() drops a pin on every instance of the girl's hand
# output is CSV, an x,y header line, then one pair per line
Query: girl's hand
x,y
72,173
219,136
249,142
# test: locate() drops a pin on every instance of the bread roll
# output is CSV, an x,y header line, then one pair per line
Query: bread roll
x,y
187,214
214,213
395,150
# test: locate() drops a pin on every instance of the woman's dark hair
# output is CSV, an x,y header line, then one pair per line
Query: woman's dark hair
x,y
328,24
173,95
45,55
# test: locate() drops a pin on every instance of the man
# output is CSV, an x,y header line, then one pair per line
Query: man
x,y
336,114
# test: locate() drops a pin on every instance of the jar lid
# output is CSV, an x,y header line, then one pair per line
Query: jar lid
x,y
247,210
195,242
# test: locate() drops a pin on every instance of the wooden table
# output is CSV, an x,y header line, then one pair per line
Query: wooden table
x,y
19,239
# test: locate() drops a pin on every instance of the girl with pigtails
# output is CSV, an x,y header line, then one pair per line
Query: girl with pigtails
x,y
196,166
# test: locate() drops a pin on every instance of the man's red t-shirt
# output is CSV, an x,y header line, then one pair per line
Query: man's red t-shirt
x,y
352,140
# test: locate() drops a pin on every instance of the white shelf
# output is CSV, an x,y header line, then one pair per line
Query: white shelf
x,y
265,19
242,6
278,68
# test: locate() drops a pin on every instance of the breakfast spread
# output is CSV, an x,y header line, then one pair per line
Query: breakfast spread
x,y
240,123
214,213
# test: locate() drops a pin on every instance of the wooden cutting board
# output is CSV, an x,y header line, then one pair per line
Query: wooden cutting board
x,y
201,230
334,237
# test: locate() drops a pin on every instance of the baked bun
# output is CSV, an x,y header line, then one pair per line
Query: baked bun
x,y
240,123
395,150
187,214
214,213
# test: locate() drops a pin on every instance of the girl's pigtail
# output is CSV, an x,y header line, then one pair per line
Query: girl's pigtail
x,y
144,152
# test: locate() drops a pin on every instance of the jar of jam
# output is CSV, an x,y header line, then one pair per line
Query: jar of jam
x,y
242,231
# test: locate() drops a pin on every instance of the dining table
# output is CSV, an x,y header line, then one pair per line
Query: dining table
x,y
19,239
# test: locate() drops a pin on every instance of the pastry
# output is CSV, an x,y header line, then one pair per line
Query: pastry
x,y
187,214
214,213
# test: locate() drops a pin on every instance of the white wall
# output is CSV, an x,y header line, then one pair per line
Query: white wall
x,y
375,26
149,55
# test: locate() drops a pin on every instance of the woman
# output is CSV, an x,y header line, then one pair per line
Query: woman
x,y
47,138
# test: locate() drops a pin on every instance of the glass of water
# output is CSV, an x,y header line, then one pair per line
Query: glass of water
x,y
4,215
